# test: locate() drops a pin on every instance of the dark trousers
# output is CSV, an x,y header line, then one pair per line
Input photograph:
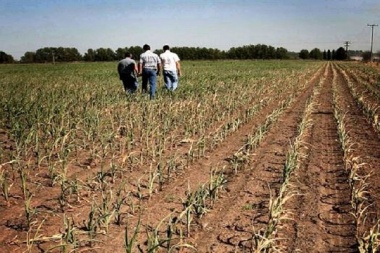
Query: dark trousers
x,y
130,84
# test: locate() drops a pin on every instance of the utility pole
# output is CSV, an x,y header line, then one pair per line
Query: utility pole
x,y
372,26
346,44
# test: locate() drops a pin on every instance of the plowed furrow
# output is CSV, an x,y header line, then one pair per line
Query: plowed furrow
x,y
169,200
322,220
244,212
363,151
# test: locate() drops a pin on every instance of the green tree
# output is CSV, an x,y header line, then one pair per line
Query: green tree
x,y
6,58
341,54
62,54
316,54
234,53
120,53
89,55
104,54
29,57
72,54
270,53
136,51
282,53
329,55
54,54
259,51
45,54
304,54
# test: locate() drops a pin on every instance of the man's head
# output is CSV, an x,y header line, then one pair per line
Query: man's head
x,y
146,47
166,47
128,54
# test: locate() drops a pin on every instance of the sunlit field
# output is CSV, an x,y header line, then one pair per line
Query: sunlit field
x,y
83,166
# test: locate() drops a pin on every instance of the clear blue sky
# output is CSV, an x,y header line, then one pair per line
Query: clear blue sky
x,y
27,25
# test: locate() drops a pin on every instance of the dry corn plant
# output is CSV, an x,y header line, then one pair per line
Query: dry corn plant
x,y
370,242
33,236
357,182
277,213
5,184
370,109
198,202
242,155
130,241
266,240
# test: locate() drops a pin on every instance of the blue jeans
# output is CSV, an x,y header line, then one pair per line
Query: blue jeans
x,y
171,79
149,75
130,85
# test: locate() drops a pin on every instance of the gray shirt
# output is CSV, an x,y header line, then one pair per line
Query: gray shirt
x,y
149,60
126,68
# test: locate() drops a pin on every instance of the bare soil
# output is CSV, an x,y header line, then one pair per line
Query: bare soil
x,y
319,212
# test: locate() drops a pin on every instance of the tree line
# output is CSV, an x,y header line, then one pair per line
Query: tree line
x,y
52,54
259,51
61,54
316,54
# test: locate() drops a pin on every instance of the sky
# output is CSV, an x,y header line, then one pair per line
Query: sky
x,y
27,25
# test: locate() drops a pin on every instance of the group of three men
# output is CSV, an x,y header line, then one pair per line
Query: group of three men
x,y
149,67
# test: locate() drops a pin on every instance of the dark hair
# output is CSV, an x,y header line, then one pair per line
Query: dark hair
x,y
166,47
146,47
128,54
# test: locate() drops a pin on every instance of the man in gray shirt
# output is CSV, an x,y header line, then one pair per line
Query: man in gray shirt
x,y
149,68
127,70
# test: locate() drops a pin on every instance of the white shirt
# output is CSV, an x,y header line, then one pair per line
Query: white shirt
x,y
169,60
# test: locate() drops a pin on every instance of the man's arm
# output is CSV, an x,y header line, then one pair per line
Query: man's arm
x,y
119,69
158,68
140,66
158,65
139,69
136,69
178,66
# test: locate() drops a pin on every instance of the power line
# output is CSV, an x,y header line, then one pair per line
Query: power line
x,y
372,26
346,44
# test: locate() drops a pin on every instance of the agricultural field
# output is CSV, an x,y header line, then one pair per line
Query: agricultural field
x,y
246,156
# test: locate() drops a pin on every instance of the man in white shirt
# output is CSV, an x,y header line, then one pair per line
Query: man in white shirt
x,y
171,67
149,68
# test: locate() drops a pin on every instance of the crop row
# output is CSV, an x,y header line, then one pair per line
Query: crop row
x,y
360,170
75,134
